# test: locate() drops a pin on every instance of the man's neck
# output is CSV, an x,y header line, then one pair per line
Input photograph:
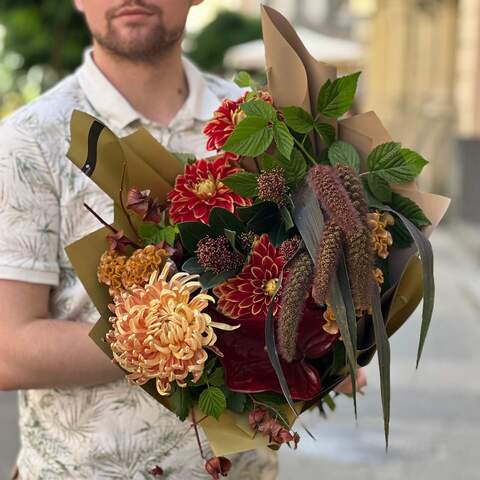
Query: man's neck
x,y
156,90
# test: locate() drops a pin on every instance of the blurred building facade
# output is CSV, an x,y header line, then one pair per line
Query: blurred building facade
x,y
421,75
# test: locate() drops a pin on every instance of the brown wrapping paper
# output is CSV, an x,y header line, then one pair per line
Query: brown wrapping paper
x,y
294,78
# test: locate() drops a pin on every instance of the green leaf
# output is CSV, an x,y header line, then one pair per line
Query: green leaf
x,y
260,108
266,216
148,232
236,402
168,234
181,402
287,218
251,137
294,169
211,280
414,160
336,98
283,139
326,132
191,233
217,377
342,153
268,162
387,162
192,266
242,183
383,349
247,213
212,402
243,79
409,209
298,119
221,220
379,187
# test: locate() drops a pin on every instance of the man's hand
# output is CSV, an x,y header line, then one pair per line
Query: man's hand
x,y
36,352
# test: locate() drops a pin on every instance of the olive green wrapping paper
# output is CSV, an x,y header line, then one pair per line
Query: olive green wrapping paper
x,y
294,78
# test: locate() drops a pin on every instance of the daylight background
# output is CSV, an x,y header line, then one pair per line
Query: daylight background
x,y
421,73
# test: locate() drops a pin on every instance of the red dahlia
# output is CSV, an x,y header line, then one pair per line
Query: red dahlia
x,y
250,293
200,189
226,118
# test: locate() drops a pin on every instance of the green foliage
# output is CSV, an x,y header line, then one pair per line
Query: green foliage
x,y
342,153
242,183
298,119
260,108
283,139
326,132
294,169
221,220
243,79
251,137
409,209
225,31
181,401
45,33
212,402
211,280
152,233
191,233
336,98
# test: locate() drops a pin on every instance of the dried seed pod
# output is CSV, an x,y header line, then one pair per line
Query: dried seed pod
x,y
294,294
327,261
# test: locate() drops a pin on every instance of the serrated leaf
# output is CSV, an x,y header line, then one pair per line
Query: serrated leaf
x,y
379,187
268,162
181,402
168,234
211,280
342,153
192,266
409,209
283,139
217,377
242,183
220,219
243,79
294,169
212,402
259,108
251,137
191,233
336,98
148,232
387,162
414,160
298,119
326,132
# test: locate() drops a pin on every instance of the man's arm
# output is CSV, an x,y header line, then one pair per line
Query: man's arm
x,y
36,352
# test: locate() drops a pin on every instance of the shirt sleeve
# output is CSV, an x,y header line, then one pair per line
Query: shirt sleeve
x,y
29,209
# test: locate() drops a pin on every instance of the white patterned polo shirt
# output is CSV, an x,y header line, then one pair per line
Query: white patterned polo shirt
x,y
114,431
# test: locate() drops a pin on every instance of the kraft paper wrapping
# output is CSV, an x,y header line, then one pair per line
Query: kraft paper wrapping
x,y
294,78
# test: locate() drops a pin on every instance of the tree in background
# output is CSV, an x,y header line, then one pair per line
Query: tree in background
x,y
43,40
207,49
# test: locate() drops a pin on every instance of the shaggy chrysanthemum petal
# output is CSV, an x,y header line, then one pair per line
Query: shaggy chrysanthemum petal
x,y
161,331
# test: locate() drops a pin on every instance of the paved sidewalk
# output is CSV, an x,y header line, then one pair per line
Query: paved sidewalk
x,y
435,428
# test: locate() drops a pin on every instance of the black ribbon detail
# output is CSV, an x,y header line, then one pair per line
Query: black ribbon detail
x,y
93,136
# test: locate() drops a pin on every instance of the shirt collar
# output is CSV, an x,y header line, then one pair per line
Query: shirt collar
x,y
113,106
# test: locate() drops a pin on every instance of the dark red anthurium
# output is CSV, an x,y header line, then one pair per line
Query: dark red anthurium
x,y
246,363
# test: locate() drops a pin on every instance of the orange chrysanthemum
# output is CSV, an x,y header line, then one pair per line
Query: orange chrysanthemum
x,y
200,189
250,293
161,331
381,238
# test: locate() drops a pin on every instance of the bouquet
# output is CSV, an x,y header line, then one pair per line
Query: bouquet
x,y
240,290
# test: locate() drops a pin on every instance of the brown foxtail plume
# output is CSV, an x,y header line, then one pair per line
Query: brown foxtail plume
x,y
294,295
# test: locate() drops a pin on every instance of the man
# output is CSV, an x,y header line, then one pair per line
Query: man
x,y
78,417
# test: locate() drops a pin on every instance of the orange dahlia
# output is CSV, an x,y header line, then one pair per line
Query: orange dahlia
x,y
250,293
200,189
160,331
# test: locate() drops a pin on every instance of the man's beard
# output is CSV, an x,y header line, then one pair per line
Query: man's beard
x,y
139,47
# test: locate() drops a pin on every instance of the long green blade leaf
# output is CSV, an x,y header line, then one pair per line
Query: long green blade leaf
x,y
426,255
383,349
